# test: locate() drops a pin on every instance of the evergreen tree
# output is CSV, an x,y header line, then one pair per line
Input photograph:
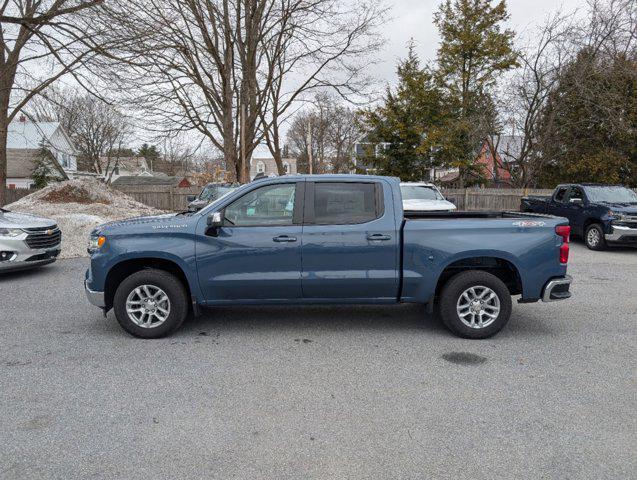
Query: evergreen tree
x,y
42,169
473,51
589,126
401,129
149,152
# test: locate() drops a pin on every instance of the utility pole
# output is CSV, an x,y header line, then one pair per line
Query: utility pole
x,y
309,147
242,144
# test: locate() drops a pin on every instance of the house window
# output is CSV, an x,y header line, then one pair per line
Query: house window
x,y
286,168
260,167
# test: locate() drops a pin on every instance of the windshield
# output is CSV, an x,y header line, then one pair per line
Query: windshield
x,y
420,192
610,194
213,192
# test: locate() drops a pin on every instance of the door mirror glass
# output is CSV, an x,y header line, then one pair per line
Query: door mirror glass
x,y
215,219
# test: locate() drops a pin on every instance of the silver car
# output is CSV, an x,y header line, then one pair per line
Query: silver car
x,y
27,241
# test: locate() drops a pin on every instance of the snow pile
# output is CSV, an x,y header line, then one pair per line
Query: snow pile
x,y
78,206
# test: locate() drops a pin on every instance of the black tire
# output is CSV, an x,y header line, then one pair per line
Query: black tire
x,y
173,288
452,292
594,237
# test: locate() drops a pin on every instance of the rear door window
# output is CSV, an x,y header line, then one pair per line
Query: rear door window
x,y
346,203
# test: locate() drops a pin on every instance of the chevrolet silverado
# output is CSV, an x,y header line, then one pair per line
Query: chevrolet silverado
x,y
341,239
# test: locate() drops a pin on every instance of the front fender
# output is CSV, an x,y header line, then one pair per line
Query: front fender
x,y
177,248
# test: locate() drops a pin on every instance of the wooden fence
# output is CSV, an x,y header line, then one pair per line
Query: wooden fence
x,y
163,197
495,199
15,194
174,198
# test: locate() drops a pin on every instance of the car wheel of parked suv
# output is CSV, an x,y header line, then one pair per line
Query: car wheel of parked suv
x,y
475,304
150,303
594,237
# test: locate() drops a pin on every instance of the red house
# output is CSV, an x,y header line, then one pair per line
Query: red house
x,y
496,172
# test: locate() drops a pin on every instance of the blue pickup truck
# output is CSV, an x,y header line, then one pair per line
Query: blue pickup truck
x,y
601,214
340,239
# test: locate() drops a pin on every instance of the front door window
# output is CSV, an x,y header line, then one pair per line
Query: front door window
x,y
266,206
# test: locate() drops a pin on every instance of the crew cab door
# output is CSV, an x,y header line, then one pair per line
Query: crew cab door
x,y
256,253
350,241
574,209
558,205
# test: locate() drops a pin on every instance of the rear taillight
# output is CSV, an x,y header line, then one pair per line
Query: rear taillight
x,y
564,231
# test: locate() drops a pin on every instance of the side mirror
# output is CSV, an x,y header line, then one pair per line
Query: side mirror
x,y
215,219
191,198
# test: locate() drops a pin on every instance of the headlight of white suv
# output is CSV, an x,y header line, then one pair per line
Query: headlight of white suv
x,y
10,232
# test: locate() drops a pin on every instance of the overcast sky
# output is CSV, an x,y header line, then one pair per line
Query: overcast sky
x,y
414,19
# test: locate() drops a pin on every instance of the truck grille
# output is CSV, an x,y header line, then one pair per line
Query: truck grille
x,y
43,237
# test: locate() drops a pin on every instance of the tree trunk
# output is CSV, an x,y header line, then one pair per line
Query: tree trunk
x,y
278,157
4,126
3,161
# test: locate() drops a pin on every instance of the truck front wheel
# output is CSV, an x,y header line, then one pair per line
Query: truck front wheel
x,y
150,303
475,304
594,237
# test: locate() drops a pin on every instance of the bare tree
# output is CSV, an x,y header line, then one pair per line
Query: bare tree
x,y
528,91
179,157
324,134
50,37
315,45
223,67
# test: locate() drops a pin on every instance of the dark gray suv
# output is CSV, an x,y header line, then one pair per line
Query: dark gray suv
x,y
210,193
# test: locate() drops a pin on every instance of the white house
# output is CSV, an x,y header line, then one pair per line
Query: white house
x,y
262,163
115,167
25,143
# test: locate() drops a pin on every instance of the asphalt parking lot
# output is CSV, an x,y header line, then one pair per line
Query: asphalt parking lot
x,y
320,392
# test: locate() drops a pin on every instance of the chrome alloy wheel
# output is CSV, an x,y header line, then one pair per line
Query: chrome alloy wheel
x,y
148,306
593,237
478,307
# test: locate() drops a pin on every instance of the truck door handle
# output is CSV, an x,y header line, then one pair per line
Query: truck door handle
x,y
284,238
378,237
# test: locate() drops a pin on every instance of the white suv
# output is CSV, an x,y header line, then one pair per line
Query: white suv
x,y
424,197
27,241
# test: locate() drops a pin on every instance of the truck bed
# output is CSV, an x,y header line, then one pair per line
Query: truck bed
x,y
467,215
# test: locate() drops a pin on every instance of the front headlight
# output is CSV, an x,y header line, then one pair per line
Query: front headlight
x,y
95,243
619,217
10,232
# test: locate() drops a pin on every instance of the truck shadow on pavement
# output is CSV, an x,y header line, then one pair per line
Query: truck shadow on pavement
x,y
315,317
327,319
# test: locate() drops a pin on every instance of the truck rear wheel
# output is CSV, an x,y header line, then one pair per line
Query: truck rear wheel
x,y
475,304
150,303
